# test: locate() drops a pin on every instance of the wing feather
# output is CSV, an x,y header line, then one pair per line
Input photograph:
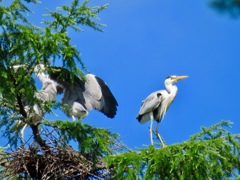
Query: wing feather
x,y
100,96
92,93
63,78
152,102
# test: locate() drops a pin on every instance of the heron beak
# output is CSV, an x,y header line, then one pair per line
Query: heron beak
x,y
180,78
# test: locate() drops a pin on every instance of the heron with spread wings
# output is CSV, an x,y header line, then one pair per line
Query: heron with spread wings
x,y
80,96
154,107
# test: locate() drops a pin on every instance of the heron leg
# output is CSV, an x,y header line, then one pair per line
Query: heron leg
x,y
22,133
73,118
159,137
151,138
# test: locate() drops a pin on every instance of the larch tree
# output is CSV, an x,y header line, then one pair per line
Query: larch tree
x,y
47,154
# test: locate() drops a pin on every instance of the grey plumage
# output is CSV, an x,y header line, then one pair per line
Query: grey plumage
x,y
154,107
80,96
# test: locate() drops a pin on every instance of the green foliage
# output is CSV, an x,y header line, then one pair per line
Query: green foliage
x,y
74,15
23,43
210,154
231,7
90,140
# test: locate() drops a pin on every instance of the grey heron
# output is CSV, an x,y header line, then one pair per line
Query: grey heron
x,y
154,107
80,96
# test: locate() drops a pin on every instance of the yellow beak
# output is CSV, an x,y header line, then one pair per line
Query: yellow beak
x,y
180,78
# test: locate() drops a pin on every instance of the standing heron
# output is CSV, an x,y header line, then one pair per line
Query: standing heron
x,y
80,96
154,107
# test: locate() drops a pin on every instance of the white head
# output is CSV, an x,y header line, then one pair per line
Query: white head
x,y
170,80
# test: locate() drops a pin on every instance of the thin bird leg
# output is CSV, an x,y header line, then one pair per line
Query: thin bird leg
x,y
152,119
73,118
22,133
159,137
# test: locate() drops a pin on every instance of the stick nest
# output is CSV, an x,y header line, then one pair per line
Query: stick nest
x,y
57,162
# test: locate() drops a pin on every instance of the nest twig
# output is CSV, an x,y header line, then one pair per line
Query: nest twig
x,y
56,162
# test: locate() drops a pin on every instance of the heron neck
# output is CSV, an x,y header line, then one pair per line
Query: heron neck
x,y
171,88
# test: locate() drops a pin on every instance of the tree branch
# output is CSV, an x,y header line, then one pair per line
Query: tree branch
x,y
37,137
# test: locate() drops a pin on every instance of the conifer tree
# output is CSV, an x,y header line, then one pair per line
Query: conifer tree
x,y
47,154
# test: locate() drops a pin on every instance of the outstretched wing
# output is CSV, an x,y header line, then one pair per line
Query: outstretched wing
x,y
96,93
99,96
63,78
152,102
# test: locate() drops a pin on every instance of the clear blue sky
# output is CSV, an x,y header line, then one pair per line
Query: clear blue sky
x,y
145,41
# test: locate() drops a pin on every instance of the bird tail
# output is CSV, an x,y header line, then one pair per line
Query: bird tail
x,y
143,118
